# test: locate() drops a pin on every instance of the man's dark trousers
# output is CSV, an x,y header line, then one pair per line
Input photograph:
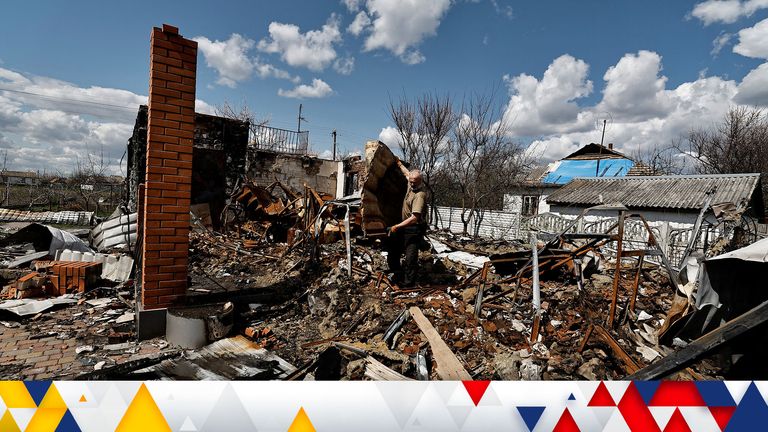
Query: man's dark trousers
x,y
408,240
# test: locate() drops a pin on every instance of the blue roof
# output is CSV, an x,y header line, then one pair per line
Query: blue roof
x,y
569,169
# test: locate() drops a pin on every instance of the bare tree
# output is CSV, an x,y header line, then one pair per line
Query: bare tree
x,y
737,145
88,173
424,126
244,113
483,160
660,159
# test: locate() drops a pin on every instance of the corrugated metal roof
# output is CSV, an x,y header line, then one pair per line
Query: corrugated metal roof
x,y
47,217
674,192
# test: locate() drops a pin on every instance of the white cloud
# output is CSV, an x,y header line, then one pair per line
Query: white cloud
x,y
634,89
48,124
643,111
505,10
401,25
352,5
318,89
753,89
413,57
231,61
538,107
390,136
229,58
753,41
359,24
345,65
726,11
313,49
204,107
720,42
265,70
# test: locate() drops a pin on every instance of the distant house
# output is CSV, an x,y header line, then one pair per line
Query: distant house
x,y
660,198
19,177
529,196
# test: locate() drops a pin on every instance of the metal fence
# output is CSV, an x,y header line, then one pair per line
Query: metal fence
x,y
500,225
280,140
485,223
673,238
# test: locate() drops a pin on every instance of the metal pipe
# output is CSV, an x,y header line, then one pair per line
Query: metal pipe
x,y
536,287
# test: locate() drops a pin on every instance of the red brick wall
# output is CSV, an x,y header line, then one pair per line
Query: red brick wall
x,y
165,237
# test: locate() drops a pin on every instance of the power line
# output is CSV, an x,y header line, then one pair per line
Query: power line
x,y
82,101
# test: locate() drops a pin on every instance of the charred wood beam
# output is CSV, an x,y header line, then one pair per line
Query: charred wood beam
x,y
703,345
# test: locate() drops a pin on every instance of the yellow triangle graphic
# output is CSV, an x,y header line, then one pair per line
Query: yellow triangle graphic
x,y
8,424
301,423
143,414
15,395
46,419
83,399
52,399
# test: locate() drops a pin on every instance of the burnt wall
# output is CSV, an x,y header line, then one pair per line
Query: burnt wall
x,y
219,155
293,171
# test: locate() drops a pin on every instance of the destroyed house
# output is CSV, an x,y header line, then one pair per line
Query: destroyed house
x,y
19,177
529,196
218,158
662,198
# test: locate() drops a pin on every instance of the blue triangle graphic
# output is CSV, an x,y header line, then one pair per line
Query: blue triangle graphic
x,y
37,389
571,397
751,414
531,415
715,393
647,389
68,423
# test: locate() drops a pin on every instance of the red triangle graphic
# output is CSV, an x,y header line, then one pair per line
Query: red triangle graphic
x,y
566,423
722,415
601,398
476,389
677,423
635,412
677,393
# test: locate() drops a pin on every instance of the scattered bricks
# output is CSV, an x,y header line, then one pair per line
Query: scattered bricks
x,y
66,360
35,371
74,275
48,363
27,281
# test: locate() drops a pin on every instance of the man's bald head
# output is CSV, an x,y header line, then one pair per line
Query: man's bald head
x,y
414,178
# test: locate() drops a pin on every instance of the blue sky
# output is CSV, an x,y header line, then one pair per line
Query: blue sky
x,y
71,73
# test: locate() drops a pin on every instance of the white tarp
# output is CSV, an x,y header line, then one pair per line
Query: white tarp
x,y
757,252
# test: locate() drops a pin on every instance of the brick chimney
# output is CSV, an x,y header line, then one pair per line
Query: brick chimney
x,y
164,206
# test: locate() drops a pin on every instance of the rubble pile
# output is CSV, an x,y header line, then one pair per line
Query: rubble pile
x,y
295,286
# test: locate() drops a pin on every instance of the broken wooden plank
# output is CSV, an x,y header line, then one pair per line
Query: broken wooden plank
x,y
377,371
629,364
626,361
701,346
448,365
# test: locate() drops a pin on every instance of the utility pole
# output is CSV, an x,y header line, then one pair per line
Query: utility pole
x,y
333,134
600,153
300,118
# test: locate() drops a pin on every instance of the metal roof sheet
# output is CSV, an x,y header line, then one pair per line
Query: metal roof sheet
x,y
568,169
675,192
